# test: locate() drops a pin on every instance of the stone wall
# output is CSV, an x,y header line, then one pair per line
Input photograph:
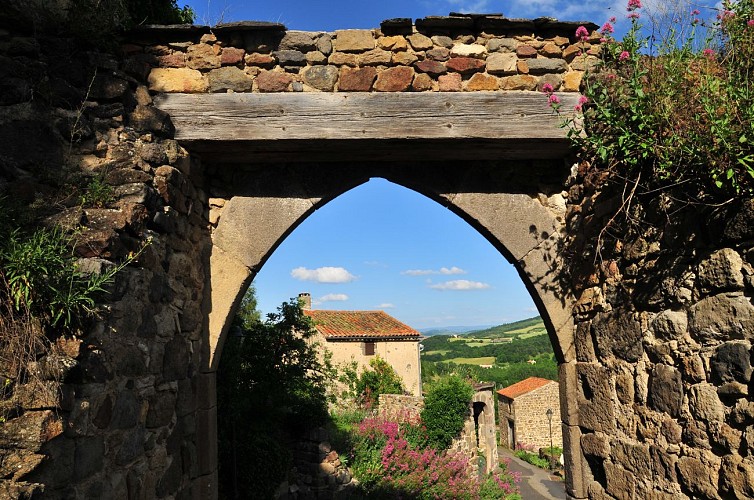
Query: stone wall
x,y
450,56
529,414
663,348
127,411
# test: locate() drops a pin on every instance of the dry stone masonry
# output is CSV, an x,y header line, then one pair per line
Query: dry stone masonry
x,y
655,345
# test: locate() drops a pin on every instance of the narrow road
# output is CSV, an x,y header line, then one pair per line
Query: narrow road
x,y
536,484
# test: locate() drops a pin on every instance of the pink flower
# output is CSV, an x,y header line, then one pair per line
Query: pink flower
x,y
582,33
695,12
709,53
624,55
750,22
633,15
583,100
613,20
547,88
553,99
607,28
633,5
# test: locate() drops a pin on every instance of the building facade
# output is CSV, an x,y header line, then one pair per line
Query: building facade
x,y
361,336
523,414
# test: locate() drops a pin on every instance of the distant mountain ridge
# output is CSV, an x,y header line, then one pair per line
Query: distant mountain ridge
x,y
486,331
452,330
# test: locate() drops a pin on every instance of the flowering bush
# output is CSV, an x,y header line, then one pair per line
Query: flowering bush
x,y
670,114
389,465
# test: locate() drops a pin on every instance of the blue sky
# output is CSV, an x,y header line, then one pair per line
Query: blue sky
x,y
339,14
381,246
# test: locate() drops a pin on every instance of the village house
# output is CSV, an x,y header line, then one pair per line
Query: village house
x,y
362,335
523,414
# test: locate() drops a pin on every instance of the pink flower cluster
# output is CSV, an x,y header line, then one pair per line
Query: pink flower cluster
x,y
552,99
413,471
582,33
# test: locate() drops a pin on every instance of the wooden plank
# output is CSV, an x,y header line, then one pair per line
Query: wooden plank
x,y
338,150
507,116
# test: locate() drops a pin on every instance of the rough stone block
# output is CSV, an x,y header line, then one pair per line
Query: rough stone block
x,y
621,484
618,333
699,475
343,59
420,42
469,50
431,67
354,40
177,80
438,54
298,40
374,57
481,81
465,65
519,82
731,363
705,404
501,63
595,403
202,56
321,77
228,78
542,66
502,45
404,58
206,440
722,317
575,482
422,82
450,82
526,51
357,79
273,81
666,390
721,271
568,386
396,79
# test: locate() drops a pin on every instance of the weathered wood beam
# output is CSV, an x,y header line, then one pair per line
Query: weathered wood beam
x,y
511,124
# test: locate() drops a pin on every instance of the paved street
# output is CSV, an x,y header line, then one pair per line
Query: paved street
x,y
536,484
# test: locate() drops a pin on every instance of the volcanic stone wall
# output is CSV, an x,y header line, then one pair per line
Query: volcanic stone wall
x,y
440,54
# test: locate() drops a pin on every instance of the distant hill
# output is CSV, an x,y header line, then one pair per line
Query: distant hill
x,y
452,330
526,327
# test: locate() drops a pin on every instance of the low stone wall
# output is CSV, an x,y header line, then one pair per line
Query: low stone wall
x,y
494,54
399,405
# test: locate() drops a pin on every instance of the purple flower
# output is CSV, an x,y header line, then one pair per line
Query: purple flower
x,y
582,33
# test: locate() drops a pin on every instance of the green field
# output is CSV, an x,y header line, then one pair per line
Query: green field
x,y
486,360
439,351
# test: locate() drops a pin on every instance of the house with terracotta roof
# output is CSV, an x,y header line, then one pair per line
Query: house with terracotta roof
x,y
362,335
523,413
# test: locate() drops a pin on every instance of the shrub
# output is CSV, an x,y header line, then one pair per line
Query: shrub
x,y
446,407
388,465
682,119
379,379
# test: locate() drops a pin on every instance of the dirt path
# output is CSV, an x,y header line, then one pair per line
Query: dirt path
x,y
536,484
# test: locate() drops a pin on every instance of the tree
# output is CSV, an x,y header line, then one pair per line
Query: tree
x,y
446,407
270,386
380,379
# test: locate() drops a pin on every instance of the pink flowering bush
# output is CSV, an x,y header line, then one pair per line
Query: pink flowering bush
x,y
389,465
677,114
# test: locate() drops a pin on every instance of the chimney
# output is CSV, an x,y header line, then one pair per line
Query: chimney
x,y
305,299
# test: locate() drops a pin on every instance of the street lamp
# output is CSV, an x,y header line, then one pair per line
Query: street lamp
x,y
549,420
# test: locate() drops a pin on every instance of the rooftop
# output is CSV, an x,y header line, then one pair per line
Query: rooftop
x,y
523,387
360,324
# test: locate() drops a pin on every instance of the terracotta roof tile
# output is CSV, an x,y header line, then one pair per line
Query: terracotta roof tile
x,y
526,385
359,324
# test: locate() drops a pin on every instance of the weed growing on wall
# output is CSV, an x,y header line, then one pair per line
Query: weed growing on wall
x,y
671,116
379,378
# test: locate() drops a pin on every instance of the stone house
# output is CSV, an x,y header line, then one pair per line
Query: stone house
x,y
522,413
362,335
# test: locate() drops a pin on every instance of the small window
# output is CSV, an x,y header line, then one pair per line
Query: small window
x,y
369,348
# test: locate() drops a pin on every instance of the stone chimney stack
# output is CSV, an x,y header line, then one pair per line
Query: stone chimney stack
x,y
306,300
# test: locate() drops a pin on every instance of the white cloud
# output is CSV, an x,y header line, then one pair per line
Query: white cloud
x,y
333,297
386,305
461,285
323,274
473,6
443,270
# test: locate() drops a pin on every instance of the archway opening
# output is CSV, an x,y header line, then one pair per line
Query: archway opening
x,y
382,246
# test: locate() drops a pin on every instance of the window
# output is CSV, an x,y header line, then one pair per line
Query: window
x,y
369,348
